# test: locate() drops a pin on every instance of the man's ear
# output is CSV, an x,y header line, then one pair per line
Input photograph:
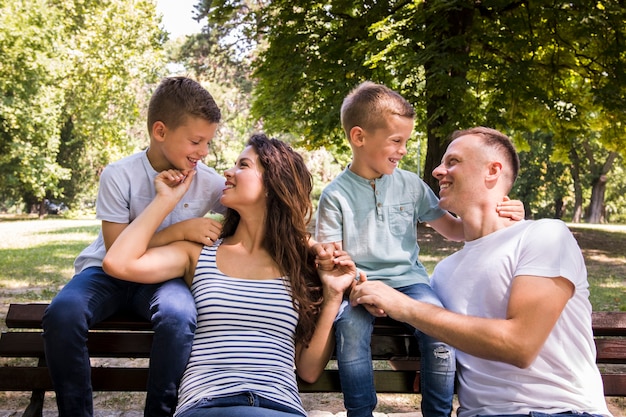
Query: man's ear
x,y
357,136
159,130
494,171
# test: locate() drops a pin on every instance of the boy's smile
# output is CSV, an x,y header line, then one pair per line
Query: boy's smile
x,y
378,151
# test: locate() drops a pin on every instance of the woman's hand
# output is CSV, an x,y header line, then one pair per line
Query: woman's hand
x,y
340,278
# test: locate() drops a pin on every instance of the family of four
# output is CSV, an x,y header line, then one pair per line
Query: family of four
x,y
257,302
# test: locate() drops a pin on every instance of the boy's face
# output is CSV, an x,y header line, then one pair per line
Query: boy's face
x,y
378,151
182,147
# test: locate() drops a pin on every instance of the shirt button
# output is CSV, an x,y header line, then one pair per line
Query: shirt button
x,y
185,205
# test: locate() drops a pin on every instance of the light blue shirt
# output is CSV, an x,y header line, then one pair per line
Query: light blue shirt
x,y
377,222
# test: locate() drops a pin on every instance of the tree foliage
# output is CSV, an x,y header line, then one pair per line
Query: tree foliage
x,y
72,79
522,67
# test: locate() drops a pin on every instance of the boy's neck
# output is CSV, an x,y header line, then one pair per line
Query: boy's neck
x,y
362,174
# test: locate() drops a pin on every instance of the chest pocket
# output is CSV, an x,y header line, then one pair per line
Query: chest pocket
x,y
400,219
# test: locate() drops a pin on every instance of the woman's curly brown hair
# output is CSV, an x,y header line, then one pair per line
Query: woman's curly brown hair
x,y
288,184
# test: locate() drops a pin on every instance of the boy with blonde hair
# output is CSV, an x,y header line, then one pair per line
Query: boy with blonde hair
x,y
372,210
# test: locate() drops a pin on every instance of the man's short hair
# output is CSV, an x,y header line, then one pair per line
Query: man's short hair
x,y
497,140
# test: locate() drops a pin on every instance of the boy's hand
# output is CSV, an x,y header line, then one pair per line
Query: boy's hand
x,y
325,255
513,209
202,230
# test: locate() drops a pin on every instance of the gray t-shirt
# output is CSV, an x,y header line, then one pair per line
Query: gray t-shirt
x,y
126,189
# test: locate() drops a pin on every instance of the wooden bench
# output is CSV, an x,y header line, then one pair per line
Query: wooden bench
x,y
131,337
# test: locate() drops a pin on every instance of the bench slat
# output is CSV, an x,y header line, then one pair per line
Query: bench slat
x,y
610,350
107,345
614,385
609,323
28,316
134,379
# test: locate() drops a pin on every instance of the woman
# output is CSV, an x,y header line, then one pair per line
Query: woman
x,y
263,310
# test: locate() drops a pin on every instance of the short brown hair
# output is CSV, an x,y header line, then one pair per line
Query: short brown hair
x,y
176,98
497,140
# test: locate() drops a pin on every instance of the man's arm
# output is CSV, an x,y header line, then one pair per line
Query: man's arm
x,y
534,307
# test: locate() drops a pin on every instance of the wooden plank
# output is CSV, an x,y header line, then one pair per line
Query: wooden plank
x,y
103,379
28,316
614,385
100,344
17,378
609,323
610,350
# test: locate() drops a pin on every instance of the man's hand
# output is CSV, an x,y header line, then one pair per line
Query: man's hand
x,y
379,299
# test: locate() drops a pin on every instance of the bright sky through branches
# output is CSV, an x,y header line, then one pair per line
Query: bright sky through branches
x,y
178,17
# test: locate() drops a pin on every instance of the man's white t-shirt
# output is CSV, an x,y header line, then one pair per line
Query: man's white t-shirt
x,y
477,280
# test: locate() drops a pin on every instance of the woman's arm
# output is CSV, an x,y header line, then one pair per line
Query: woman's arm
x,y
312,359
129,258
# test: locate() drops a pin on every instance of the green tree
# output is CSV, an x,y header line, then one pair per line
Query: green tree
x,y
30,101
72,79
508,64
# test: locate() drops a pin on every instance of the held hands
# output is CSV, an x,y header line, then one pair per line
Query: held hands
x,y
513,209
337,271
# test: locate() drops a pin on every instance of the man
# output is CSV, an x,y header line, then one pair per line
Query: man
x,y
516,296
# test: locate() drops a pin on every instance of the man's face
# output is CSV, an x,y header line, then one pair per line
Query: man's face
x,y
461,173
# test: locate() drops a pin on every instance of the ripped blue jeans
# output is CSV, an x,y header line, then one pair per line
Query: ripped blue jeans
x,y
353,330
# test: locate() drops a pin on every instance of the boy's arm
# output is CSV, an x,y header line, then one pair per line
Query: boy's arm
x,y
451,227
200,230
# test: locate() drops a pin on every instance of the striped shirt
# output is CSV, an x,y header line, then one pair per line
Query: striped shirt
x,y
244,341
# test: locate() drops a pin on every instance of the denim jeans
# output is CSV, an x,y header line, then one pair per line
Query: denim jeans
x,y
246,404
90,297
353,330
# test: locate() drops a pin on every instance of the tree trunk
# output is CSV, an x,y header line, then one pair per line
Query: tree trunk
x,y
441,88
596,206
577,214
598,189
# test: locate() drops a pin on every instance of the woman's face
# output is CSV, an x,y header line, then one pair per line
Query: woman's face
x,y
244,182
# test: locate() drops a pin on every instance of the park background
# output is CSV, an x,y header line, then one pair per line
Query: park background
x,y
76,76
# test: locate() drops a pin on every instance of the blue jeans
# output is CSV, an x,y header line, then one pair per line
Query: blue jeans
x,y
353,330
90,297
246,404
